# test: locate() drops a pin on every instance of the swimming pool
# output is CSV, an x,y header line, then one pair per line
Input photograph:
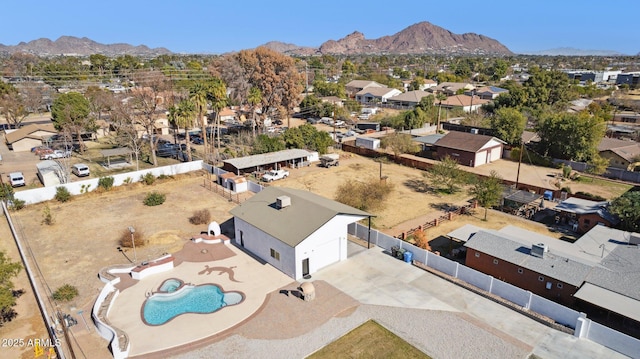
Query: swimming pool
x,y
170,285
163,306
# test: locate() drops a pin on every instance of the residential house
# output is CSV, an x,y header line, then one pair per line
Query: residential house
x,y
428,83
355,86
228,115
373,95
584,214
464,102
621,154
469,149
487,92
334,100
29,136
409,98
296,231
598,274
452,88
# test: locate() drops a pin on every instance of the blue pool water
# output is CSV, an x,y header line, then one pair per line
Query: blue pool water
x,y
170,285
208,298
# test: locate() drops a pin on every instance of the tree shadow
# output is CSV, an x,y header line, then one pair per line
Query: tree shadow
x,y
443,206
418,185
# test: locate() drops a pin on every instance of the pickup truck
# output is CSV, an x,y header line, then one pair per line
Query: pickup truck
x,y
274,175
331,159
55,155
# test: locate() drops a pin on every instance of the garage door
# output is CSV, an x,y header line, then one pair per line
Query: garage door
x,y
481,158
496,153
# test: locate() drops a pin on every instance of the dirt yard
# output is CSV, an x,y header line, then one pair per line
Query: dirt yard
x,y
86,232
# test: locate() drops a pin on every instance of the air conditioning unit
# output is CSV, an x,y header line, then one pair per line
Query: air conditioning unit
x,y
474,131
538,250
283,202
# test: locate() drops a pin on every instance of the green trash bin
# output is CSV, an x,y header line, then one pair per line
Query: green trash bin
x,y
401,252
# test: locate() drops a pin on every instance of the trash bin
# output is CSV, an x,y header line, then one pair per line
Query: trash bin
x,y
401,253
408,256
394,251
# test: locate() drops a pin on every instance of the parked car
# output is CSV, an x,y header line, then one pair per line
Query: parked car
x,y
56,154
16,179
80,170
274,175
197,140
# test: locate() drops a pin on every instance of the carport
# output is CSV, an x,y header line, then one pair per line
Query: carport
x,y
520,203
123,153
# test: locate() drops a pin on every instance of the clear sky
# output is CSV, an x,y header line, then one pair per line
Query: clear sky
x,y
218,26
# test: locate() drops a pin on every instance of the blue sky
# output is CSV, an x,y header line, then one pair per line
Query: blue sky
x,y
218,26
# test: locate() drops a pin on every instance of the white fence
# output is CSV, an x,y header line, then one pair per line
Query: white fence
x,y
48,193
584,328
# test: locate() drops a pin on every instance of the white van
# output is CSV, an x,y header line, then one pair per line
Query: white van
x,y
16,179
80,170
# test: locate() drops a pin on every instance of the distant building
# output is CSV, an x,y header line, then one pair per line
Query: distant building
x,y
469,149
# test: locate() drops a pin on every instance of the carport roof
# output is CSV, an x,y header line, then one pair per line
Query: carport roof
x,y
120,151
267,158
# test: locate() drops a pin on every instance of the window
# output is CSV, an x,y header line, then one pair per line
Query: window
x,y
587,221
477,254
275,254
495,261
520,271
559,285
541,278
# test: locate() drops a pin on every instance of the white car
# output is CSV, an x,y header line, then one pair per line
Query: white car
x,y
16,179
275,175
80,170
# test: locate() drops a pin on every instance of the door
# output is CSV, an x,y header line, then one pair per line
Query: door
x,y
241,239
305,267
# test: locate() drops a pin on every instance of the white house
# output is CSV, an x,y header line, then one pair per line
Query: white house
x,y
376,94
296,231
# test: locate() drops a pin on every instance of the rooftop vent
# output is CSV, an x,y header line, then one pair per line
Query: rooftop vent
x,y
538,250
474,131
283,202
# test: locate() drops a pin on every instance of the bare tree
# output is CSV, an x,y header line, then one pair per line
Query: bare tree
x,y
123,119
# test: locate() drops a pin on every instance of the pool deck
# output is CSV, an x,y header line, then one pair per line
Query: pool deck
x,y
237,272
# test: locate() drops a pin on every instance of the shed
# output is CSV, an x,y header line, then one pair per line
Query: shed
x,y
368,142
51,173
520,202
469,149
233,182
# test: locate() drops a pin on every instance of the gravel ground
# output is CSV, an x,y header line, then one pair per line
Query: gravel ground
x,y
439,334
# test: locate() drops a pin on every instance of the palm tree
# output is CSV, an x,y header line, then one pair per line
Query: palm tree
x,y
217,96
182,116
440,97
254,98
198,96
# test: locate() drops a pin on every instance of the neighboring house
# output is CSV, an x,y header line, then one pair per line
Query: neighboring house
x,y
464,102
51,173
372,95
293,158
487,92
355,86
428,83
228,115
631,78
296,231
600,272
627,117
579,105
621,154
334,100
27,137
452,88
584,214
469,149
409,98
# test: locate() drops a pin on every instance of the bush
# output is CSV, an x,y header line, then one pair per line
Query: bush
x,y
148,178
127,180
47,216
370,195
17,204
62,194
105,183
65,293
138,238
590,196
566,189
202,216
154,199
85,188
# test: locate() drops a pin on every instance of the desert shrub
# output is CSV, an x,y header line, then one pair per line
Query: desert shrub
x,y
370,195
148,178
65,293
164,177
127,180
85,188
62,194
202,216
566,189
47,216
421,239
105,183
566,171
125,238
154,199
16,204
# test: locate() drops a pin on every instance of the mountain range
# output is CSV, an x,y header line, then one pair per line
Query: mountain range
x,y
70,45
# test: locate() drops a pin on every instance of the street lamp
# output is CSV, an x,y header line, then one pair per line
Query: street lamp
x,y
133,243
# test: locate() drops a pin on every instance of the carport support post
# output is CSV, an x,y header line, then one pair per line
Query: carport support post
x,y
519,162
369,235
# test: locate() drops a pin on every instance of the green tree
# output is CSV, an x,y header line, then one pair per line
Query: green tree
x,y
266,144
487,191
254,98
198,96
627,208
597,165
399,143
508,125
70,113
65,293
182,115
307,137
217,96
8,270
570,136
447,175
546,88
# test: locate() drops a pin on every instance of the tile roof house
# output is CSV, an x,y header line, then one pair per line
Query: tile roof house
x,y
621,154
600,271
487,92
27,137
376,94
296,231
355,86
451,88
409,98
469,149
464,102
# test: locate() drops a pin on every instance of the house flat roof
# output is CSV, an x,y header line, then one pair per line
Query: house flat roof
x,y
609,300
